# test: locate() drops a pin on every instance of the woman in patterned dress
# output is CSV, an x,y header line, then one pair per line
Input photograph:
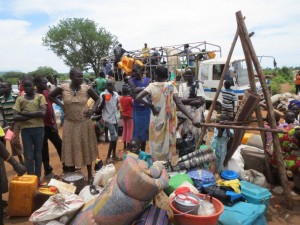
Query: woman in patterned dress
x,y
163,121
79,143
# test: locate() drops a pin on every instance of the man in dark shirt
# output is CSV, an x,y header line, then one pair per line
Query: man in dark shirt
x,y
51,131
118,52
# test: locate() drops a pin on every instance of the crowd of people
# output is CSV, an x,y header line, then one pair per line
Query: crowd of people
x,y
148,109
152,110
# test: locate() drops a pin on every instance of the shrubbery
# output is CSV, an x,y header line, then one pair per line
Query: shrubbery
x,y
281,76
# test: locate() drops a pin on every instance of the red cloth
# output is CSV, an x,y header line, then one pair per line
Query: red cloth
x,y
127,130
126,106
48,119
21,89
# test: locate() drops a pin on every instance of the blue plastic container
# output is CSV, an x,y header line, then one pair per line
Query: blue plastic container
x,y
255,194
243,213
229,174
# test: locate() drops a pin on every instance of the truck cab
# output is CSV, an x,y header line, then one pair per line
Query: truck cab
x,y
210,72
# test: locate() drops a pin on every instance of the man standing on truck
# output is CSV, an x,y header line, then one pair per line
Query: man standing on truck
x,y
189,55
118,52
145,51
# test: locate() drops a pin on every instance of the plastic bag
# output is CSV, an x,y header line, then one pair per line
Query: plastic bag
x,y
254,177
206,208
103,176
186,144
201,177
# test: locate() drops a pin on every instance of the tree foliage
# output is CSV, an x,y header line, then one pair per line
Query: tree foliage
x,y
12,76
80,43
43,71
281,76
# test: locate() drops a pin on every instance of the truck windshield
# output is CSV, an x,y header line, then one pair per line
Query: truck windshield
x,y
241,72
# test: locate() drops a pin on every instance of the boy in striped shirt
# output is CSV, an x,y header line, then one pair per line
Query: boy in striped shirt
x,y
228,101
7,102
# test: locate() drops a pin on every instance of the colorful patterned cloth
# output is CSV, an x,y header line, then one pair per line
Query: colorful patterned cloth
x,y
162,138
290,147
24,105
127,195
184,93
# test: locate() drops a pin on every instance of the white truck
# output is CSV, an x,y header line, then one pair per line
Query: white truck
x,y
177,58
210,71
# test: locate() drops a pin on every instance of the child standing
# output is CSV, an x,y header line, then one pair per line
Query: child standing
x,y
51,131
228,101
7,102
109,101
126,102
30,110
219,144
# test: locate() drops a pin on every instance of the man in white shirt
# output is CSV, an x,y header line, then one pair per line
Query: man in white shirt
x,y
109,102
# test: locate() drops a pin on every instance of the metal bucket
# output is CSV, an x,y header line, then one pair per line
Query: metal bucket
x,y
187,206
75,178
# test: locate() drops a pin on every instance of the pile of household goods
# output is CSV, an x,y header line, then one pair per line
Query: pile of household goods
x,y
283,102
139,194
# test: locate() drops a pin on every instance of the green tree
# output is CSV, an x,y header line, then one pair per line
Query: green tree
x,y
80,43
13,77
43,71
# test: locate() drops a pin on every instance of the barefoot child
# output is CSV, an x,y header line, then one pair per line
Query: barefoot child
x,y
126,102
30,110
109,102
219,144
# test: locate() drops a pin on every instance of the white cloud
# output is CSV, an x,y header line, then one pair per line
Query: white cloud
x,y
156,22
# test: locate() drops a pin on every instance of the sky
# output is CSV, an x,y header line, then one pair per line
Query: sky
x,y
276,24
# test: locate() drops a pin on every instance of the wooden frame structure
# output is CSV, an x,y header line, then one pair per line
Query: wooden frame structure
x,y
251,59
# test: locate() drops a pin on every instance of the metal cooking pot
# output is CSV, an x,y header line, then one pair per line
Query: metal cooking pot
x,y
75,178
187,203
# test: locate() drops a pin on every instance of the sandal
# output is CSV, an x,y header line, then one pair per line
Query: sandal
x,y
117,159
93,190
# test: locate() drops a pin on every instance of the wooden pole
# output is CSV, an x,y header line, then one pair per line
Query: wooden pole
x,y
276,143
222,78
242,128
275,110
253,89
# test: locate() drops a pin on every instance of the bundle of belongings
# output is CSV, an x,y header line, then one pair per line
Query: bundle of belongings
x,y
127,195
201,157
282,102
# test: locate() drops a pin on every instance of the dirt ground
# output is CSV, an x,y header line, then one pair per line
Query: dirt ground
x,y
284,88
277,213
56,164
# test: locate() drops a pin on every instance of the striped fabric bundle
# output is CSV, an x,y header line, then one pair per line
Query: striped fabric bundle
x,y
197,158
128,193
